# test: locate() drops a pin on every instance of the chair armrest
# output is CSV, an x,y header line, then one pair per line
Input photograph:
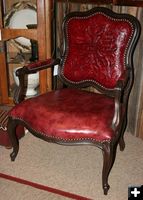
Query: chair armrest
x,y
118,104
34,67
119,92
37,66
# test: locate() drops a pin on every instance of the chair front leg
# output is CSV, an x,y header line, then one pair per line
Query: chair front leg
x,y
109,153
121,140
13,138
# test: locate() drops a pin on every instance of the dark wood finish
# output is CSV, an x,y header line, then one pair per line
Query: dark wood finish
x,y
21,73
14,141
88,1
114,2
109,153
138,3
129,3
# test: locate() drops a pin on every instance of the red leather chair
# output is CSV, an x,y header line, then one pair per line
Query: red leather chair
x,y
98,51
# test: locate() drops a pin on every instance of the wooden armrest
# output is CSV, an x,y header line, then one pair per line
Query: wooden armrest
x,y
37,66
34,67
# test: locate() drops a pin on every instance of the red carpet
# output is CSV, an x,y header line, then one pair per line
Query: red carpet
x,y
42,187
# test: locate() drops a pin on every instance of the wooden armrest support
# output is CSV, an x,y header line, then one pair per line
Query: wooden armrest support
x,y
123,79
117,109
19,94
121,84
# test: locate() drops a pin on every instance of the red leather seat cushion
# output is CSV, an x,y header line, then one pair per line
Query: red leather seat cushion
x,y
68,114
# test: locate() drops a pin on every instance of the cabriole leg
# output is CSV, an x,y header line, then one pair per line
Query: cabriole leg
x,y
121,140
122,143
13,138
109,153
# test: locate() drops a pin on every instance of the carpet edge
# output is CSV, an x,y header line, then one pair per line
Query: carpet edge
x,y
43,187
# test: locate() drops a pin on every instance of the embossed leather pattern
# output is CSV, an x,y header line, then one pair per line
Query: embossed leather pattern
x,y
96,49
69,114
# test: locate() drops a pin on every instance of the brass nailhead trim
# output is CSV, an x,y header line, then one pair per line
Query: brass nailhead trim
x,y
66,140
85,17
